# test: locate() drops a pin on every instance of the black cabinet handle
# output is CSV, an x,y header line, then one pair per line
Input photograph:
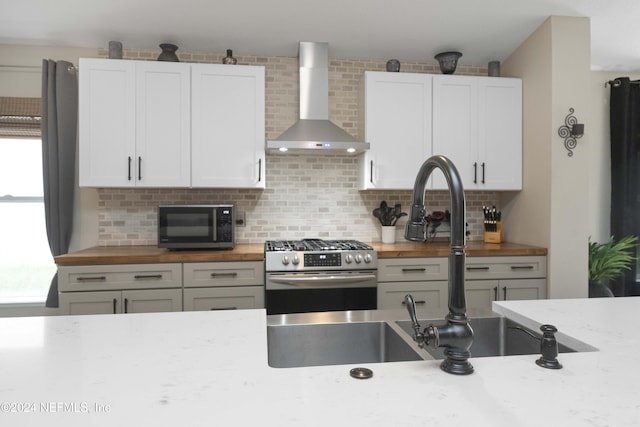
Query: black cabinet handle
x,y
259,169
233,274
147,276
115,305
414,270
495,293
504,293
522,267
222,308
371,172
129,169
139,168
92,279
483,172
475,173
126,305
483,268
421,302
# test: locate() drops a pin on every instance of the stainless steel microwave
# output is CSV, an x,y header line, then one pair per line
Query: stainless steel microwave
x,y
196,227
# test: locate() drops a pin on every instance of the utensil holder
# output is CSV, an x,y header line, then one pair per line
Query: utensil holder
x,y
494,236
388,234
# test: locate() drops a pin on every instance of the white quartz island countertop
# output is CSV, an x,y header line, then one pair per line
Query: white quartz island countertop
x,y
210,369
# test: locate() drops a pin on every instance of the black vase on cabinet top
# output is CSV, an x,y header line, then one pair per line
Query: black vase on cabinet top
x,y
229,59
168,53
448,61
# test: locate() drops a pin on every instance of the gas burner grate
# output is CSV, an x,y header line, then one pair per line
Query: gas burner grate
x,y
314,245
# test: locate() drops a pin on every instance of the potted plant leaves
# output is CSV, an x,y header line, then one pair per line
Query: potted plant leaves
x,y
608,261
388,217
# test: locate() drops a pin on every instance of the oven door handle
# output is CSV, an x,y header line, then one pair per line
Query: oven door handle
x,y
314,281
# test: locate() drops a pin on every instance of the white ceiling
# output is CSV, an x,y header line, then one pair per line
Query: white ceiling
x,y
409,30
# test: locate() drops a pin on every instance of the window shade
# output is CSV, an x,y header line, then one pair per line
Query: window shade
x,y
20,117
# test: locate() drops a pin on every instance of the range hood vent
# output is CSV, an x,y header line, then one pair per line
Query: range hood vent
x,y
314,132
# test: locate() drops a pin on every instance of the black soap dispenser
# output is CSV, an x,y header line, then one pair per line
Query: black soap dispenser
x,y
229,59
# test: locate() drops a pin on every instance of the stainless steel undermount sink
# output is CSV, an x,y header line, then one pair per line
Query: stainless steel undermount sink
x,y
495,336
297,345
355,337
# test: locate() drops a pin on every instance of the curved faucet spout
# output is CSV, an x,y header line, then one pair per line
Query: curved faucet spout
x,y
457,329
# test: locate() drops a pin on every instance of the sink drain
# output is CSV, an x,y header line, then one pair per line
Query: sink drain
x,y
361,373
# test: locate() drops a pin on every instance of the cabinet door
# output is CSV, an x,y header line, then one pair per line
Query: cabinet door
x,y
523,289
432,295
108,302
236,298
398,127
455,127
500,133
106,118
152,301
481,293
228,133
163,124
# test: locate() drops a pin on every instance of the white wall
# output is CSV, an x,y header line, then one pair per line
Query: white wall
x,y
551,211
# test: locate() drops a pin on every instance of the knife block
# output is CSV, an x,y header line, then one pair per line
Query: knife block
x,y
494,236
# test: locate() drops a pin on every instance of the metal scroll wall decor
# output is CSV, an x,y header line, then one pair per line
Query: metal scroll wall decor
x,y
571,131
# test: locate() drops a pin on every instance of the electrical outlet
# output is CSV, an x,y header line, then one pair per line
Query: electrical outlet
x,y
241,219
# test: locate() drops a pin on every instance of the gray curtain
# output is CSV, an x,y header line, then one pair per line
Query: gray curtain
x,y
59,131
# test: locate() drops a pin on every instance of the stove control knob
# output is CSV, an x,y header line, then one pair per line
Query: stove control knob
x,y
367,258
348,258
295,260
358,258
285,260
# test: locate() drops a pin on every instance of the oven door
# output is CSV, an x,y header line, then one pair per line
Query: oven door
x,y
321,291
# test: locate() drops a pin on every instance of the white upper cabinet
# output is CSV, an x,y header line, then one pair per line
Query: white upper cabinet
x,y
228,126
477,123
397,118
106,116
164,124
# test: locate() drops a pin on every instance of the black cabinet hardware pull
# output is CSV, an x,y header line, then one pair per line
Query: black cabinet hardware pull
x,y
91,279
223,308
522,267
483,172
414,270
371,172
129,168
115,305
147,276
139,168
421,302
484,268
495,293
259,170
233,274
126,305
475,173
504,293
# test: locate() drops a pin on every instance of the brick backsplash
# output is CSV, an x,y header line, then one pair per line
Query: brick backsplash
x,y
306,195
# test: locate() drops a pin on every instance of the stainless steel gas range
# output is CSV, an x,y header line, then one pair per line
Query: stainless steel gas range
x,y
319,275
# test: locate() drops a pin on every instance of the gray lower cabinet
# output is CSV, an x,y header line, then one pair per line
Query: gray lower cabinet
x,y
146,288
223,285
489,279
424,278
125,288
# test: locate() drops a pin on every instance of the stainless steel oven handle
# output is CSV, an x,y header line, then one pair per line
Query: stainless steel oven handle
x,y
331,280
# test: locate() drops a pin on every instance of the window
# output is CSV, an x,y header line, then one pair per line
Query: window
x,y
26,264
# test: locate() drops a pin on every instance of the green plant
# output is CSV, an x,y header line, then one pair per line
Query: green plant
x,y
607,260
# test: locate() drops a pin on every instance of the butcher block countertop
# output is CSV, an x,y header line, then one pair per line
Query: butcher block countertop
x,y
255,252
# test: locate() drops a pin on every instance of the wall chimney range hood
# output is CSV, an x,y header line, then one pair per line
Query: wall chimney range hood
x,y
314,133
